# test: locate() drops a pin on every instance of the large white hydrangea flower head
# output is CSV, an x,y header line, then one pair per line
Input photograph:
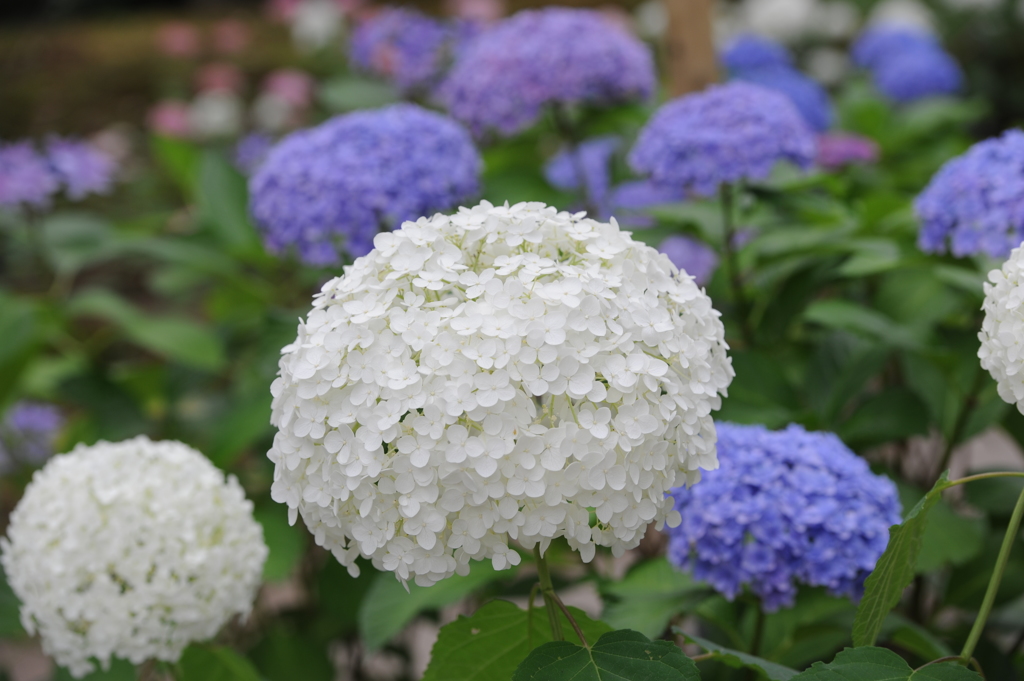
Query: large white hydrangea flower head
x,y
1002,331
131,549
496,374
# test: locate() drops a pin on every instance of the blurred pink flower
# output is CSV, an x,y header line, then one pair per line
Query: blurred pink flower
x,y
230,36
836,150
220,77
170,118
481,11
178,39
291,85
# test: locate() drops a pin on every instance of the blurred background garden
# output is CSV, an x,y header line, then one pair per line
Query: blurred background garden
x,y
143,290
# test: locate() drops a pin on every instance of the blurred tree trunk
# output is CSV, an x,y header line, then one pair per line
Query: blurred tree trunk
x,y
690,43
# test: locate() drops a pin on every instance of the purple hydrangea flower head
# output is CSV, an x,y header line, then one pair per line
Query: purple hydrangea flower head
x,y
786,507
405,46
502,81
749,51
26,177
251,151
879,44
975,202
82,167
918,74
338,183
628,200
592,159
727,133
28,433
836,150
807,95
691,256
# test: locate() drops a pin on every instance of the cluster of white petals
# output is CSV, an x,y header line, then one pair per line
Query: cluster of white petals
x,y
1002,332
131,549
505,372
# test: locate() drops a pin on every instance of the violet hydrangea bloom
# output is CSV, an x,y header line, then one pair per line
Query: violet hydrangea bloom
x,y
404,46
26,177
807,96
975,202
691,256
251,151
749,51
557,55
836,150
592,159
333,187
917,75
786,507
725,134
906,65
28,433
82,167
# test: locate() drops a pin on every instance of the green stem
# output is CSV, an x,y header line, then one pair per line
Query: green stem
x,y
985,476
547,589
961,421
725,192
755,644
993,584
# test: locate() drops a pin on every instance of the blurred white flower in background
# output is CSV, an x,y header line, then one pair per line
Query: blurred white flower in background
x,y
316,24
131,549
905,13
836,19
651,19
827,65
216,113
782,20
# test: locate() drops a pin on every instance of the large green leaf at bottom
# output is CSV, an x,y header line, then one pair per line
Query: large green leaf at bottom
x,y
489,645
735,658
882,664
895,569
617,656
215,663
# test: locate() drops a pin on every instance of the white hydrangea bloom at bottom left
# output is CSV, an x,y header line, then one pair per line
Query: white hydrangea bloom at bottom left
x,y
131,549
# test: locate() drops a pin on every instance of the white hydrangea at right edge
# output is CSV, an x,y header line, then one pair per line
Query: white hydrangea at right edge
x,y
1002,333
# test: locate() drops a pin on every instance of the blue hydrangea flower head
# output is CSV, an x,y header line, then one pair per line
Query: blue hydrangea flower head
x,y
26,176
807,95
251,151
592,159
749,51
82,167
727,133
975,203
918,74
786,507
502,81
880,43
628,200
28,433
691,256
331,188
404,46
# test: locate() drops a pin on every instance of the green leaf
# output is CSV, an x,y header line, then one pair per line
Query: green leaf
x,y
950,538
223,201
649,596
735,658
286,542
215,663
246,421
895,569
10,608
180,159
286,655
72,241
176,338
489,645
348,93
912,637
19,330
892,414
617,656
881,664
387,608
847,316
